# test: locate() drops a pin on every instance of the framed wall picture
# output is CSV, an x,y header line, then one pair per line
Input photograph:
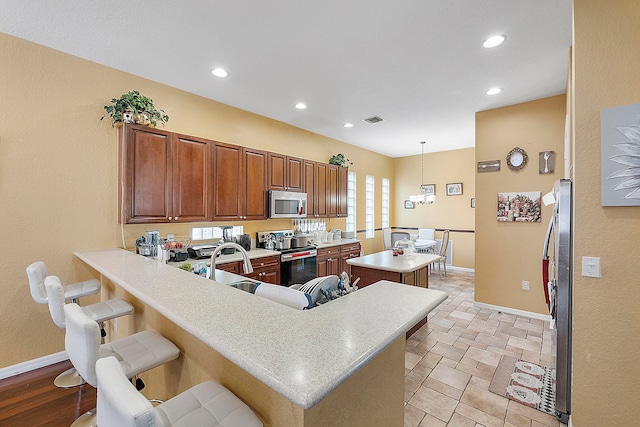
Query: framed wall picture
x,y
519,207
454,189
428,189
408,204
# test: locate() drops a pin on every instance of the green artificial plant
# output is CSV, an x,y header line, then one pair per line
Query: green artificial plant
x,y
340,160
136,108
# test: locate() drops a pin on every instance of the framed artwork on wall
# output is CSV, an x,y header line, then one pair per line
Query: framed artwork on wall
x,y
454,189
519,207
408,204
428,189
620,155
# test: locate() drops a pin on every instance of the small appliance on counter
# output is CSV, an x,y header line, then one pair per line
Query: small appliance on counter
x,y
227,236
244,240
201,251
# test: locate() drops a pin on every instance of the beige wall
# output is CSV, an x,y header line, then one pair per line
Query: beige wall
x,y
606,339
508,252
58,173
447,212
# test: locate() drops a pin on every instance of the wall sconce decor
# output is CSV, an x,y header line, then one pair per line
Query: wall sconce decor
x,y
546,160
489,166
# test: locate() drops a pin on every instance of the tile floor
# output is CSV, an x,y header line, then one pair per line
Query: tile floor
x,y
450,362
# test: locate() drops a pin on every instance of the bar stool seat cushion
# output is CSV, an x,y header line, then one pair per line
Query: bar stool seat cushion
x,y
100,311
207,404
140,352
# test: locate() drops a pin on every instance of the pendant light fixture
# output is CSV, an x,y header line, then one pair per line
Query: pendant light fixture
x,y
424,197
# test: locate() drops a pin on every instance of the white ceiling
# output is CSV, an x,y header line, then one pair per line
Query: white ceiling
x,y
418,64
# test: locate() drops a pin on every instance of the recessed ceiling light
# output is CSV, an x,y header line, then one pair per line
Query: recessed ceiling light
x,y
348,125
494,91
301,105
219,72
493,41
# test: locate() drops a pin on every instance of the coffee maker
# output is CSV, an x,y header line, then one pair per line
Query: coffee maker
x,y
227,236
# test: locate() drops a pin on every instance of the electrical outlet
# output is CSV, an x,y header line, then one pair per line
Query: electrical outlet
x,y
525,285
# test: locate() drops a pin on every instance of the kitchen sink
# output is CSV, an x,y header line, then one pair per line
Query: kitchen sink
x,y
244,285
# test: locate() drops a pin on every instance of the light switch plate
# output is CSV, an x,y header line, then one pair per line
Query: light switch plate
x,y
590,266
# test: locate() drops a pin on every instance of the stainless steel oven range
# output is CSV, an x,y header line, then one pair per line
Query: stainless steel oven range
x,y
297,265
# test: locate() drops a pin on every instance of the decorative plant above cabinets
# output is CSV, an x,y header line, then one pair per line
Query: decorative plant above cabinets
x,y
340,160
132,107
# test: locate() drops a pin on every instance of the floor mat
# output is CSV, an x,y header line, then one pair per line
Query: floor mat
x,y
525,382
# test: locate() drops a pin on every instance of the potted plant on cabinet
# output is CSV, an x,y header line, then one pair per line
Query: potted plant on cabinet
x,y
132,107
340,160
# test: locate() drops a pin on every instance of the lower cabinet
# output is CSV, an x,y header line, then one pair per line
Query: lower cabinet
x,y
230,267
351,250
368,276
266,269
328,261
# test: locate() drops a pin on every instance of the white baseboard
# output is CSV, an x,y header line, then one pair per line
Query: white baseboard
x,y
31,365
544,317
453,267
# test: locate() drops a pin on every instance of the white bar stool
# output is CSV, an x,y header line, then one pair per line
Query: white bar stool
x,y
136,353
207,404
37,273
100,312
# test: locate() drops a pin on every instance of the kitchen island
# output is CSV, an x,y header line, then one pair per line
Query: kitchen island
x,y
338,364
410,269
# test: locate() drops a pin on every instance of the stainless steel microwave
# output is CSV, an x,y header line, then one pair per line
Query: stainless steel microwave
x,y
287,204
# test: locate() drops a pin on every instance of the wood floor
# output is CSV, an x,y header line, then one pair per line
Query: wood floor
x,y
31,399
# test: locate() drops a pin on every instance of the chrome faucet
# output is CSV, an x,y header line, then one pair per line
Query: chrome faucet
x,y
248,268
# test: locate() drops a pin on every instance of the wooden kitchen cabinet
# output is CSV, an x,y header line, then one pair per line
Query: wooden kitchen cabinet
x,y
348,251
164,177
310,187
231,267
265,269
337,191
239,177
321,194
328,261
285,173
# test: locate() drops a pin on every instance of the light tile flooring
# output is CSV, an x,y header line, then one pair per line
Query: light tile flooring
x,y
451,360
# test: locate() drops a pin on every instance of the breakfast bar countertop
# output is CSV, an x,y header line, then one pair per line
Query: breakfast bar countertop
x,y
303,355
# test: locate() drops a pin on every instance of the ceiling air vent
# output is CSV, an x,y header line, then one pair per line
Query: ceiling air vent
x,y
374,119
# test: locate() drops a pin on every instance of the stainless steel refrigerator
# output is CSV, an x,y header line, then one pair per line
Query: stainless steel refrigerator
x,y
557,271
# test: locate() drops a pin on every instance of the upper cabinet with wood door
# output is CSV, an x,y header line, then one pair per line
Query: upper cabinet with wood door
x,y
240,176
164,177
285,173
336,191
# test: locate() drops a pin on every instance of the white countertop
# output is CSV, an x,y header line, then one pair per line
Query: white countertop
x,y
388,262
303,355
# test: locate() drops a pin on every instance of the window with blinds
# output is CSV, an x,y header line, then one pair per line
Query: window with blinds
x,y
385,203
369,214
351,202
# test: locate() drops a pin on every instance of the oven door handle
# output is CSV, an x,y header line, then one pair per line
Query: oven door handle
x,y
298,255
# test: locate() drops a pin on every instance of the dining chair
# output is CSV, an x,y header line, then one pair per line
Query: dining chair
x,y
386,238
442,255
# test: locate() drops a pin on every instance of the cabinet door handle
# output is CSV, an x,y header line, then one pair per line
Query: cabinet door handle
x,y
175,218
170,218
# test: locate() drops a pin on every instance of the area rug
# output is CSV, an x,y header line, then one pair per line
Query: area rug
x,y
525,382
